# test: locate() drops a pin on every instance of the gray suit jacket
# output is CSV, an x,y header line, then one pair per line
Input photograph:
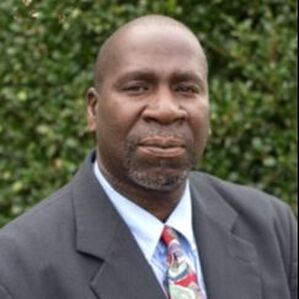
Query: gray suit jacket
x,y
75,246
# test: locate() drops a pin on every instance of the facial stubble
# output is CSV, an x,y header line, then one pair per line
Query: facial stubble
x,y
158,173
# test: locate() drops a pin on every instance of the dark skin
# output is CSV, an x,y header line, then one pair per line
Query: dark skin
x,y
150,113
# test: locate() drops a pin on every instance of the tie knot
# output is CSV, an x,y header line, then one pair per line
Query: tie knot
x,y
169,236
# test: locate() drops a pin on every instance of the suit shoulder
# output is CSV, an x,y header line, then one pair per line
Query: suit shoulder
x,y
37,224
32,244
243,199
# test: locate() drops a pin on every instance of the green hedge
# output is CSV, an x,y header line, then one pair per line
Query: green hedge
x,y
47,53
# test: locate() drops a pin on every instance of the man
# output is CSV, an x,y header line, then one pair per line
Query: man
x,y
135,222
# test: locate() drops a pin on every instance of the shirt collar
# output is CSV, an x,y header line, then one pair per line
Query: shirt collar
x,y
148,231
181,218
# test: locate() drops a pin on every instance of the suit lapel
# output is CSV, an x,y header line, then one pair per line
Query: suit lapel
x,y
229,263
120,269
125,273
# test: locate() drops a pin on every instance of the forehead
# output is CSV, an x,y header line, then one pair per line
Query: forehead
x,y
161,50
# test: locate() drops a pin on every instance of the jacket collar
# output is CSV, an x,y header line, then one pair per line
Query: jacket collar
x,y
100,232
229,263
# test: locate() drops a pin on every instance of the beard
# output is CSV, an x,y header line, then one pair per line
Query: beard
x,y
158,173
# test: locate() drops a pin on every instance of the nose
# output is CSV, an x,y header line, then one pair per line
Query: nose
x,y
164,108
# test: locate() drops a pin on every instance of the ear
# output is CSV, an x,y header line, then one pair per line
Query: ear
x,y
92,98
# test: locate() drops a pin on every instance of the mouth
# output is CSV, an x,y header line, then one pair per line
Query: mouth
x,y
161,146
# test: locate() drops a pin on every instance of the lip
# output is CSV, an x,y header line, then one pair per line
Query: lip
x,y
160,146
162,142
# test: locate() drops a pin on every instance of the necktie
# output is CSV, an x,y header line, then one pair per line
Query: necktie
x,y
181,279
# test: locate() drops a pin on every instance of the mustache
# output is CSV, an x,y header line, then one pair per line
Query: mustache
x,y
168,134
161,138
164,139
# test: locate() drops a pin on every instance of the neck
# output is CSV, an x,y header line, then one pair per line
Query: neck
x,y
158,203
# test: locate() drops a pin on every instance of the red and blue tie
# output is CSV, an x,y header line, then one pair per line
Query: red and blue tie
x,y
181,280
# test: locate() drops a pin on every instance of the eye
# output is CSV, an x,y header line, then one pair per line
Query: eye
x,y
135,88
187,89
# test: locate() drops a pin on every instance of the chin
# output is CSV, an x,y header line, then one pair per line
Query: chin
x,y
162,180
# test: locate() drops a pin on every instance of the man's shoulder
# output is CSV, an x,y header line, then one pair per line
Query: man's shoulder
x,y
241,198
38,224
35,246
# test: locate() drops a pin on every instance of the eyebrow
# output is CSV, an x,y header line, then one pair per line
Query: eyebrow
x,y
136,75
187,76
148,74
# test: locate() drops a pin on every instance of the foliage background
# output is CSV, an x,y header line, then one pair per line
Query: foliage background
x,y
47,51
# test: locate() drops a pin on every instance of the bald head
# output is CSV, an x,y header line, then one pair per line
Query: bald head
x,y
109,52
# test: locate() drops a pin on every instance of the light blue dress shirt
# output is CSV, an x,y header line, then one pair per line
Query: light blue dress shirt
x,y
147,229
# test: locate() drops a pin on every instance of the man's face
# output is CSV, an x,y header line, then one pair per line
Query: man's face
x,y
152,110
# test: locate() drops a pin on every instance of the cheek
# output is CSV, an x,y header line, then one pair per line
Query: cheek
x,y
110,138
200,124
116,118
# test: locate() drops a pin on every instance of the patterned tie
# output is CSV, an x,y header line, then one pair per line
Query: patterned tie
x,y
181,280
